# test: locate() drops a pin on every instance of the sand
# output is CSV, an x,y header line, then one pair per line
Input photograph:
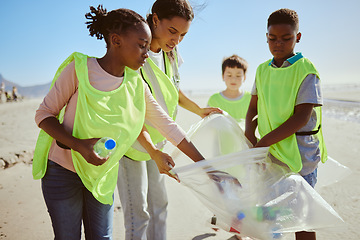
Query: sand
x,y
23,214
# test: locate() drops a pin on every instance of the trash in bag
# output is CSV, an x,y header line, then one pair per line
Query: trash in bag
x,y
247,193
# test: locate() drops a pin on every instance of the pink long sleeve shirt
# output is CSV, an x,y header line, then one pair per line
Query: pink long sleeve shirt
x,y
65,92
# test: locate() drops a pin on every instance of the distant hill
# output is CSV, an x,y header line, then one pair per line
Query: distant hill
x,y
36,91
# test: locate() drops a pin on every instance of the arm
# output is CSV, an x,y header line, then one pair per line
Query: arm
x,y
52,126
163,161
188,104
251,120
190,150
59,95
168,128
299,119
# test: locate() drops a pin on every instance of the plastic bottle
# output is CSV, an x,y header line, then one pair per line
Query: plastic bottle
x,y
265,213
276,233
104,147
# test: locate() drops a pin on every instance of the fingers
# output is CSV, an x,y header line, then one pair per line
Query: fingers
x,y
95,160
211,110
218,110
170,163
166,166
215,110
98,161
171,173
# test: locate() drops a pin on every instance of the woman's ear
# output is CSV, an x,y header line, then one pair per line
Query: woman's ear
x,y
155,20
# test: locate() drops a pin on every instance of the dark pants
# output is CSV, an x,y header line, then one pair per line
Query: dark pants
x,y
69,204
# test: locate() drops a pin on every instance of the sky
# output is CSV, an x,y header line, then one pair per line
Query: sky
x,y
37,36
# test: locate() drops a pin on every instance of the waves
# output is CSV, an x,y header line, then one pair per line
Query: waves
x,y
343,110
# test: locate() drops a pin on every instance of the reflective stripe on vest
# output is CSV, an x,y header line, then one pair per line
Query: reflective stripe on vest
x,y
118,114
277,93
166,94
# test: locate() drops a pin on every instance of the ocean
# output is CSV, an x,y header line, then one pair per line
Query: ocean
x,y
341,109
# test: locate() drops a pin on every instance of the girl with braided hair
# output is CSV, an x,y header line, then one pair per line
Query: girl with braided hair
x,y
92,98
141,187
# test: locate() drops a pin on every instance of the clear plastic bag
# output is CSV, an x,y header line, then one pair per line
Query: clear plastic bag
x,y
244,190
331,172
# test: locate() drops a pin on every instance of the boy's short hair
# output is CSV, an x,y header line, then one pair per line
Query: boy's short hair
x,y
284,16
234,61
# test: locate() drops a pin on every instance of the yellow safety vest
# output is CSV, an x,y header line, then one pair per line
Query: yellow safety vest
x,y
235,108
118,114
164,89
277,93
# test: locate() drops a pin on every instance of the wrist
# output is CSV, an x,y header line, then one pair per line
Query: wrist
x,y
199,111
262,143
153,152
76,144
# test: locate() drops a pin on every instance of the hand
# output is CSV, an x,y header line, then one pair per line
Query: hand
x,y
86,148
209,110
164,163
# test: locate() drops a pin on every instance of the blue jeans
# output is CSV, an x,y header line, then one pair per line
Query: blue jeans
x,y
69,204
311,178
143,199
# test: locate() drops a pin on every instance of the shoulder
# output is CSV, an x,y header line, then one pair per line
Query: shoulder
x,y
306,65
264,64
215,95
69,68
67,75
306,62
214,98
134,77
310,91
247,94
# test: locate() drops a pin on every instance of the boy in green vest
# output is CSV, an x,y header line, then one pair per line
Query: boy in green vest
x,y
233,100
286,99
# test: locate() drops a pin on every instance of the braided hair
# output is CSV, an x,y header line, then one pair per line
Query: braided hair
x,y
101,23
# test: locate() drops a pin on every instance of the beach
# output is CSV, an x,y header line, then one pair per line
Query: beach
x,y
23,213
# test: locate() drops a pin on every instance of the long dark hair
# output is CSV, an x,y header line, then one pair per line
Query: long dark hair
x,y
101,23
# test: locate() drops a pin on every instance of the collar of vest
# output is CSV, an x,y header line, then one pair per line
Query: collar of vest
x,y
290,60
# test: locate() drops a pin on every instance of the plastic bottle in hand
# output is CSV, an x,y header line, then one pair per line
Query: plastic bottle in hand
x,y
104,147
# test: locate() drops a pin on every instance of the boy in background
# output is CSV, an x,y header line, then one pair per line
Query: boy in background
x,y
287,100
233,100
